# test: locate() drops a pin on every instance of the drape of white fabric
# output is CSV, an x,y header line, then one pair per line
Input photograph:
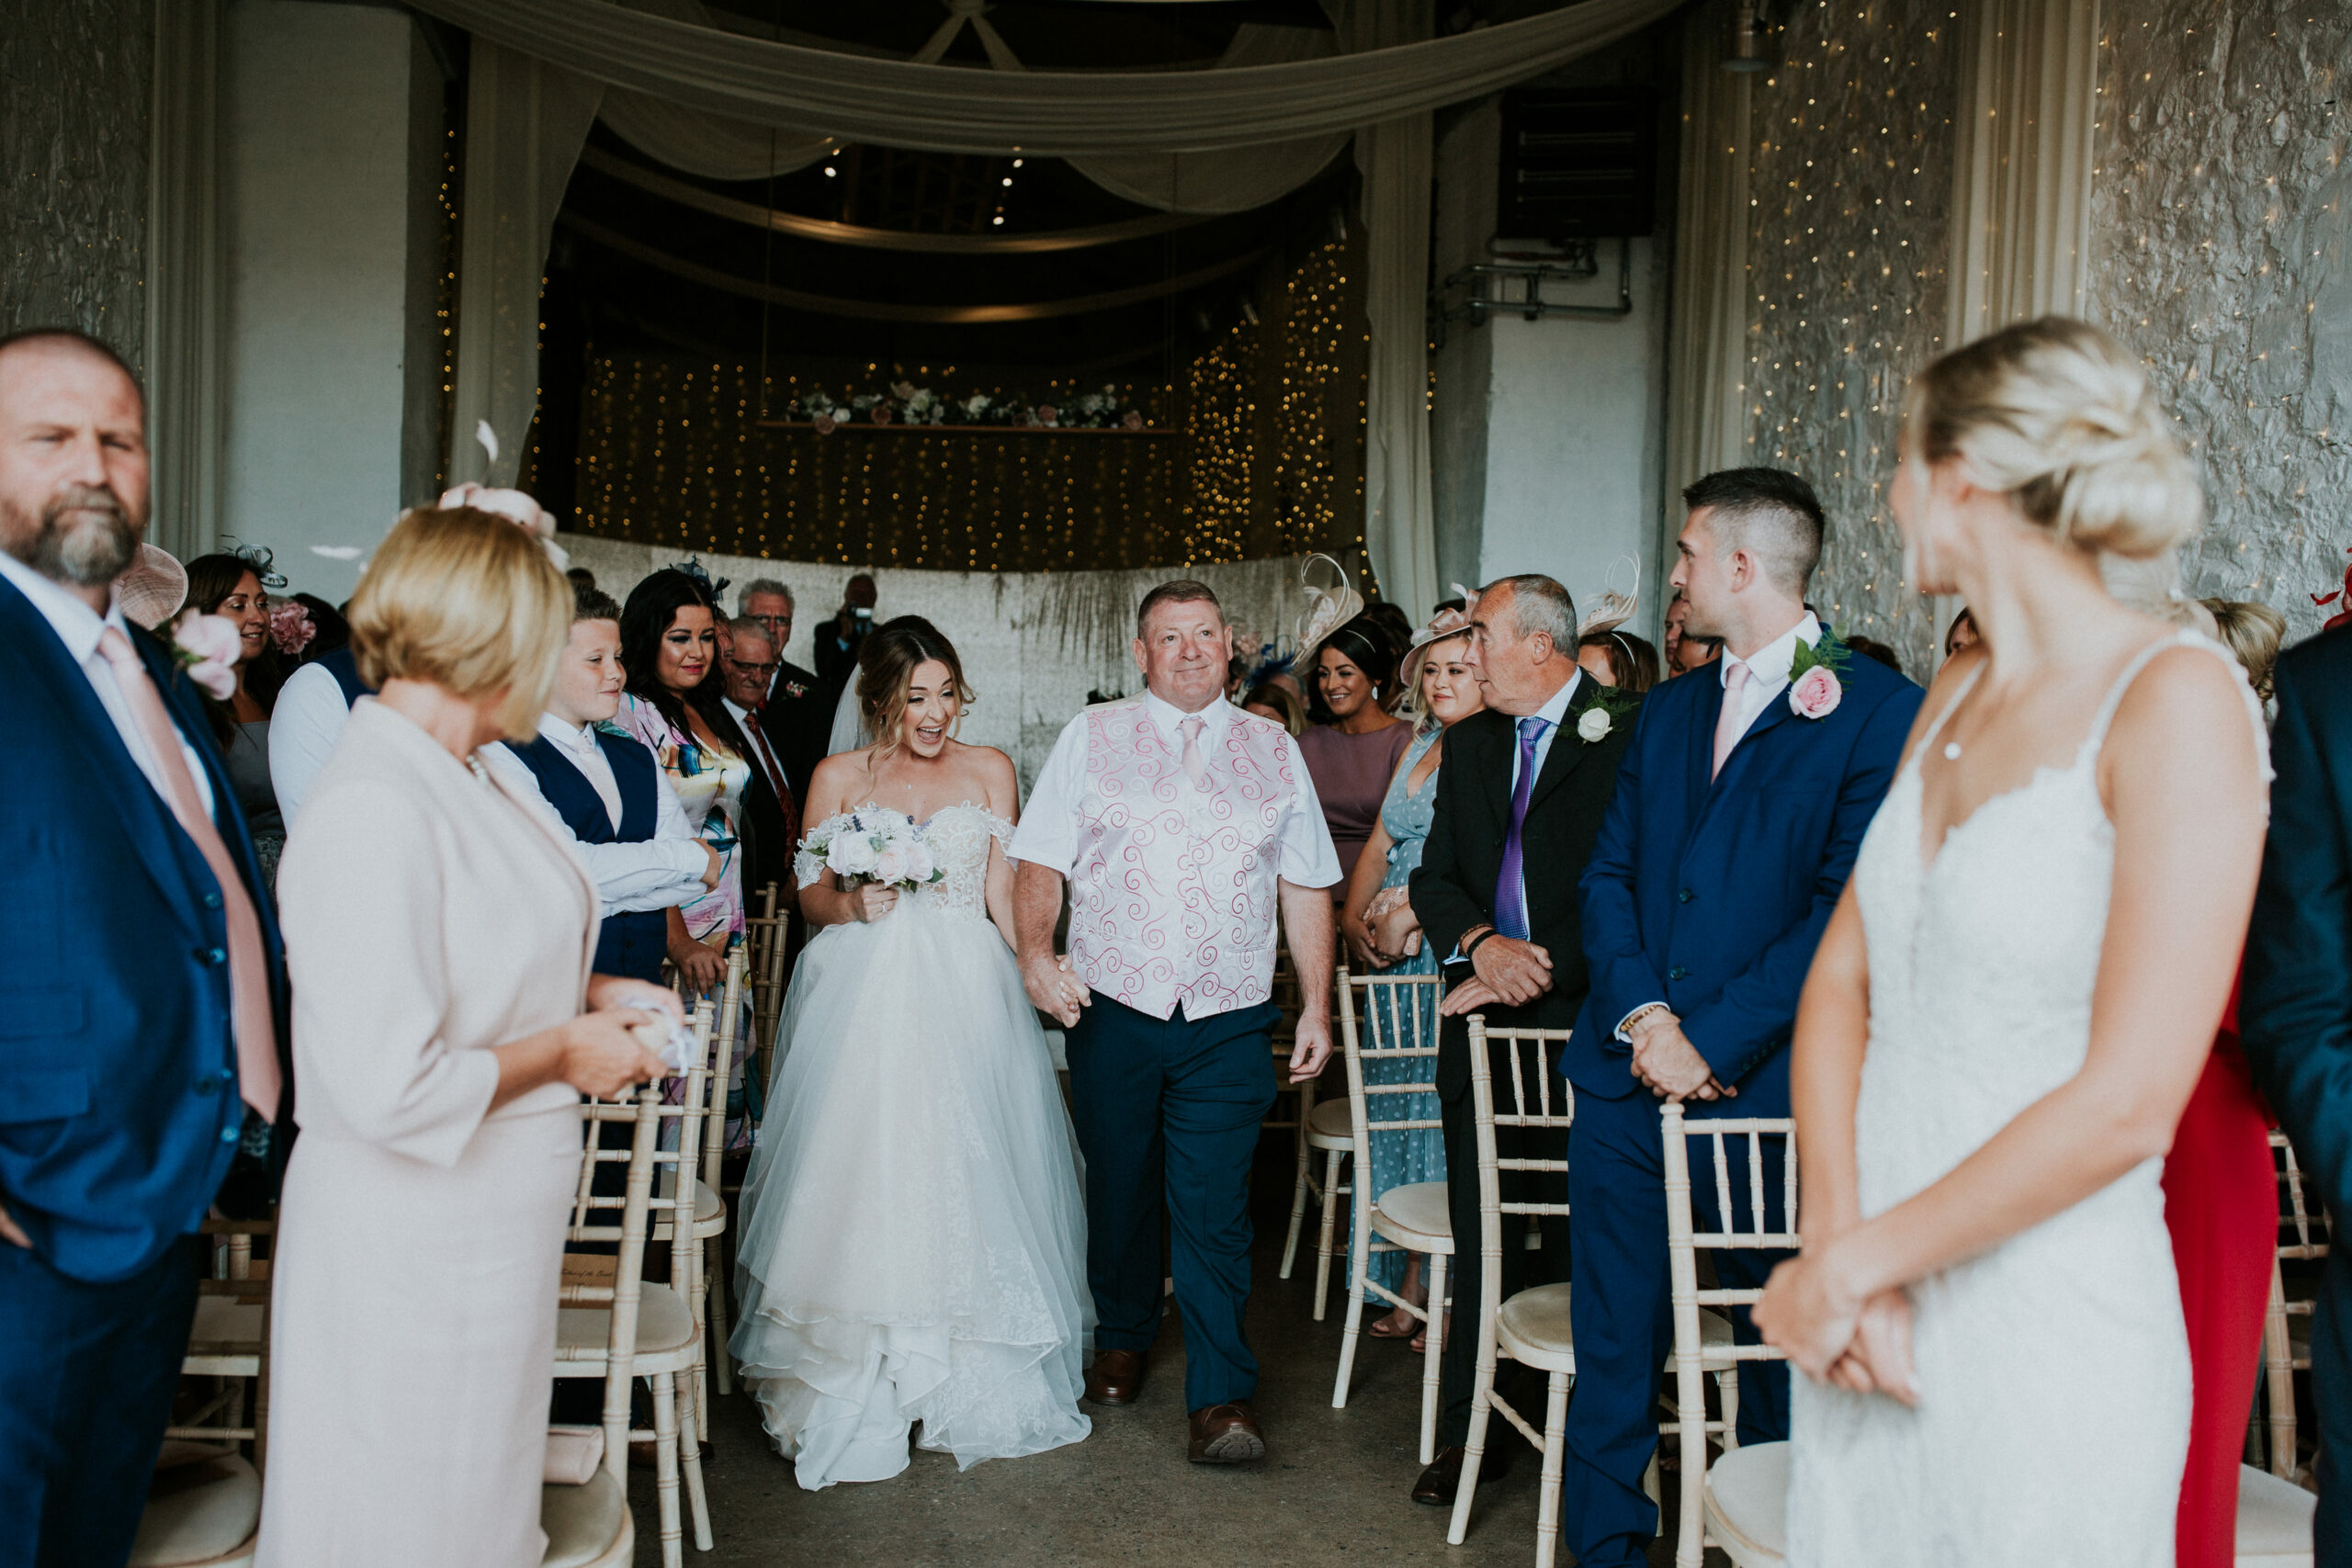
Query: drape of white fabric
x,y
1706,411
949,109
2022,180
1237,179
1395,155
185,278
526,122
2021,187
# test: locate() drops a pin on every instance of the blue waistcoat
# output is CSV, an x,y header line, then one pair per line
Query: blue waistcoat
x,y
635,943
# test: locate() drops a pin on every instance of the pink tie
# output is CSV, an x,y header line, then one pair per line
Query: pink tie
x,y
1196,767
1730,726
248,970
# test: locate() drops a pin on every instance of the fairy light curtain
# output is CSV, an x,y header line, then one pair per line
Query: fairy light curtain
x,y
1256,453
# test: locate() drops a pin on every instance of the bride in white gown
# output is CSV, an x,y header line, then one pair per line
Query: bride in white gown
x,y
2013,1001
913,1236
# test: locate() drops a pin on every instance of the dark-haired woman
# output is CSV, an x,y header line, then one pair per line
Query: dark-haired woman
x,y
227,586
913,1240
1352,758
670,648
1618,658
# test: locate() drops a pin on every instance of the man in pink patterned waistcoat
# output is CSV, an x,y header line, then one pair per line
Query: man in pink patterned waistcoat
x,y
1179,825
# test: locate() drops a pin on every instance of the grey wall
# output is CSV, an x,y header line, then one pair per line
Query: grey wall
x,y
2222,249
74,110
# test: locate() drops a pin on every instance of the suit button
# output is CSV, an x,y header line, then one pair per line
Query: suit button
x,y
212,900
212,955
1684,897
1678,973
231,1135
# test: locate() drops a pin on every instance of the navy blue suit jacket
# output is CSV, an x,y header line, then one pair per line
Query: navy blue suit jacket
x,y
119,1105
1711,896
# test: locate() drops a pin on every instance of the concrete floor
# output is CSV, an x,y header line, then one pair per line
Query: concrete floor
x,y
1333,1488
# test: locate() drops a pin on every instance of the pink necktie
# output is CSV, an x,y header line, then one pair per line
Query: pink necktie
x,y
1730,726
1196,767
248,970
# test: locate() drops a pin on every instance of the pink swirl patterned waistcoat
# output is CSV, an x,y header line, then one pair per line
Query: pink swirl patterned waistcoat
x,y
1172,898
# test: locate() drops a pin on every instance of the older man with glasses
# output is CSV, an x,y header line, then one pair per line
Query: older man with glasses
x,y
797,715
772,816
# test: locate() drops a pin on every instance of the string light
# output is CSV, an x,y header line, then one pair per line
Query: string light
x,y
1269,460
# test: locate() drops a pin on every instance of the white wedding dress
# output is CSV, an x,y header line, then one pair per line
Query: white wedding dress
x,y
2053,1369
913,1233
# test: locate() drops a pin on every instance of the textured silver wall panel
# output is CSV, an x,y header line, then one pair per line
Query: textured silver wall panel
x,y
74,112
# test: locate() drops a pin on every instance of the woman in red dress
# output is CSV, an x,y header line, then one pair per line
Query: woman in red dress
x,y
2221,1205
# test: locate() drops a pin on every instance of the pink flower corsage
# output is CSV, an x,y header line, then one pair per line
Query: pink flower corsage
x,y
290,627
207,648
1815,693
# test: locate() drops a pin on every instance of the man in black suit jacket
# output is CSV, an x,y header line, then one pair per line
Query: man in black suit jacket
x,y
771,826
798,716
2295,1015
1497,893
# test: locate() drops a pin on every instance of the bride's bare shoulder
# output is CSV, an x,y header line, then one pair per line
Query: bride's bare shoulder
x,y
991,776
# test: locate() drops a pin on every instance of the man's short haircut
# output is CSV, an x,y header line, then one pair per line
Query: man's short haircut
x,y
590,602
1538,604
79,339
758,585
1770,512
1183,590
743,626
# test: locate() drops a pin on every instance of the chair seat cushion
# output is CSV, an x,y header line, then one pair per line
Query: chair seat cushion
x,y
664,1327
2273,1521
584,1523
1747,1503
1331,1125
1415,1216
199,1512
1532,1329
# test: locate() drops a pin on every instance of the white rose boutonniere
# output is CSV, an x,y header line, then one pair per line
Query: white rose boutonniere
x,y
1594,726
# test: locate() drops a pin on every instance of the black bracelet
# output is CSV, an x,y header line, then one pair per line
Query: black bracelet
x,y
1472,945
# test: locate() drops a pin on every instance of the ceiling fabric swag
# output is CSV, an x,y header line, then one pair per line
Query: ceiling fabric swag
x,y
949,109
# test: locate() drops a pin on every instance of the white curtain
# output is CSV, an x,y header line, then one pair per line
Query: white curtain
x,y
1400,517
184,279
950,108
1707,355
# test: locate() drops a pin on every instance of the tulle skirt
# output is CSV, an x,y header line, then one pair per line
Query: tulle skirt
x,y
914,1238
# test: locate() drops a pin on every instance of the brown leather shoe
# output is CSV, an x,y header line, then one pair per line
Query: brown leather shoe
x,y
1115,1377
1443,1479
1226,1434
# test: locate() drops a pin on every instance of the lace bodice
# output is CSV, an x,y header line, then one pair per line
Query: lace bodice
x,y
958,838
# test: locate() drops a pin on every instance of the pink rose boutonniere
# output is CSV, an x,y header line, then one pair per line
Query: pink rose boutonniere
x,y
1814,689
207,648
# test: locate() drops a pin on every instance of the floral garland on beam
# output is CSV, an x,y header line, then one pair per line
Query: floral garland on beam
x,y
905,403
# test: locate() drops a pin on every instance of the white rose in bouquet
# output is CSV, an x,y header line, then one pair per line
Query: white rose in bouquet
x,y
852,855
890,863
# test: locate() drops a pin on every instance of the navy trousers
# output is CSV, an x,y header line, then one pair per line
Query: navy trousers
x,y
1621,1314
2332,1388
1168,1115
87,1377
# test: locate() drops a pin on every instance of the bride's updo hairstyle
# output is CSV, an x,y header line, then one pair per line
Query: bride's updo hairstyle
x,y
2057,415
886,661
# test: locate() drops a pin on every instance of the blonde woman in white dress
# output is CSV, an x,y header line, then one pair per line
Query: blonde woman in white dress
x,y
446,1023
913,1234
2013,1001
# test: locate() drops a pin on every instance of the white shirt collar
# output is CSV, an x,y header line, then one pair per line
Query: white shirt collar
x,y
572,736
1555,712
1769,665
68,613
1171,718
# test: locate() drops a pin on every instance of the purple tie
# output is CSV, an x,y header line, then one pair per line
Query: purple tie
x,y
1510,884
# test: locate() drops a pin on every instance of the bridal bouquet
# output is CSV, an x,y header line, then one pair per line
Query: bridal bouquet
x,y
872,845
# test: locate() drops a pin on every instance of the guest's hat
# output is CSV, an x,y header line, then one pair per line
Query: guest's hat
x,y
1446,623
155,588
1328,606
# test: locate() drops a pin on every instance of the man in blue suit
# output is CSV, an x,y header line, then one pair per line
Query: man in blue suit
x,y
1739,807
2296,1014
143,986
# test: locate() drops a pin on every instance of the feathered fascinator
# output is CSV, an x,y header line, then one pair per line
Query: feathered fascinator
x,y
692,567
1612,608
1330,605
257,558
1446,623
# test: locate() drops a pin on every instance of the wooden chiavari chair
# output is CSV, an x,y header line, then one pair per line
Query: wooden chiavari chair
x,y
631,1327
767,936
1411,1218
2303,1236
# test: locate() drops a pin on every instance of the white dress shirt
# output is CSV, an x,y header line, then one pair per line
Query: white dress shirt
x,y
1048,832
763,757
79,627
658,872
1768,681
303,725
1556,712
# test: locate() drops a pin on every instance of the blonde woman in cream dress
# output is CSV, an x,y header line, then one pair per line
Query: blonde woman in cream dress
x,y
439,937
